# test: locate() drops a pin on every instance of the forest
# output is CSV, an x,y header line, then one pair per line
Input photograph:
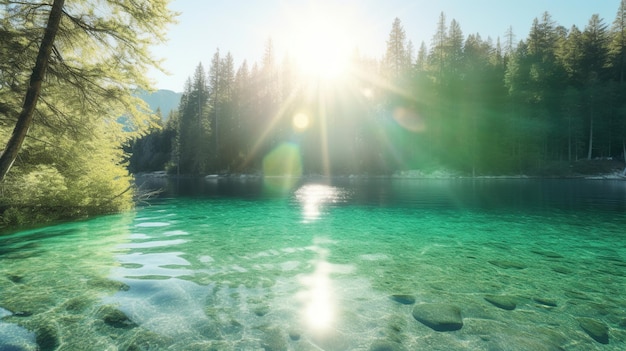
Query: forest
x,y
73,130
539,106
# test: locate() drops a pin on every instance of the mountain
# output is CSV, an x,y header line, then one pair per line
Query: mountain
x,y
166,100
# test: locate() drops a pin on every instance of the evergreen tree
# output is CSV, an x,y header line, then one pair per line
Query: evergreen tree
x,y
226,148
454,49
242,98
595,54
215,91
437,59
397,59
570,55
617,49
194,125
422,57
617,56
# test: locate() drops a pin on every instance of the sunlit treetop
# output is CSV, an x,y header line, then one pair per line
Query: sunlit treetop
x,y
99,59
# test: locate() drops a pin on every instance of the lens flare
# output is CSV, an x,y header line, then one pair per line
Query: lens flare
x,y
409,119
282,167
301,121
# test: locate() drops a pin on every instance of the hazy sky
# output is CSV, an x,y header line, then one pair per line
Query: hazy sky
x,y
243,26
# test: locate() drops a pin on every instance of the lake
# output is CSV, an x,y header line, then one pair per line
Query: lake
x,y
341,264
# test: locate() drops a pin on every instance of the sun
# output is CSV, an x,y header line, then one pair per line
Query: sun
x,y
320,43
301,121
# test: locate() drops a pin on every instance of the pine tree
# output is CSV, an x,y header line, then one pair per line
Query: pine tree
x,y
437,59
454,49
214,90
594,60
225,146
570,56
397,58
617,49
194,125
617,54
422,58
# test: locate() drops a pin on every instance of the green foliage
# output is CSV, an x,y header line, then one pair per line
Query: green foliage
x,y
194,126
71,163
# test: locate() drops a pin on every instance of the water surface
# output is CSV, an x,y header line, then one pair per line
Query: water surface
x,y
328,265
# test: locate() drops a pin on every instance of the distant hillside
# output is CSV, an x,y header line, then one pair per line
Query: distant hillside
x,y
166,100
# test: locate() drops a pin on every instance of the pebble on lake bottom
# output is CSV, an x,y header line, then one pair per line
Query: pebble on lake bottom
x,y
501,301
403,299
439,317
597,330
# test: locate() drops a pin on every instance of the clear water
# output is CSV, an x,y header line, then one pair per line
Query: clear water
x,y
226,265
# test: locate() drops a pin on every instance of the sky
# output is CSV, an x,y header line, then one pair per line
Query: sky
x,y
243,27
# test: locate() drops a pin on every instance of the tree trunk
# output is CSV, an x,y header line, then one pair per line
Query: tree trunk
x,y
590,135
569,138
25,118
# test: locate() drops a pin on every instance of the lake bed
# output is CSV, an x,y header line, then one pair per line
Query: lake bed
x,y
366,264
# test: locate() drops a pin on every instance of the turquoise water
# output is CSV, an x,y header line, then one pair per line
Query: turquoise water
x,y
341,265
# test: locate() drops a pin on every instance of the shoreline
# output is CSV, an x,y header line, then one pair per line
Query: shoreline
x,y
402,175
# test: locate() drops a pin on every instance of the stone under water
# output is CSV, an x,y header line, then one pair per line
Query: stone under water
x,y
439,317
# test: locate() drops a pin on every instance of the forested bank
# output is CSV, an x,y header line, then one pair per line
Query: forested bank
x,y
476,105
538,105
68,73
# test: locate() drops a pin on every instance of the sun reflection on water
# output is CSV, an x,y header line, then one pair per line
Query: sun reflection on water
x,y
313,197
319,313
319,306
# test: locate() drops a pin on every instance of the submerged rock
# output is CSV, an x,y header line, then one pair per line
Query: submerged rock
x,y
439,317
108,284
46,337
261,310
77,304
597,330
115,318
23,314
502,301
16,278
294,335
403,299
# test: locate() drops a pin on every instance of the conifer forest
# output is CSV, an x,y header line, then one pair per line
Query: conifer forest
x,y
463,102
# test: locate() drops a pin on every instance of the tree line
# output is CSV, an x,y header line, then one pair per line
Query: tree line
x,y
463,102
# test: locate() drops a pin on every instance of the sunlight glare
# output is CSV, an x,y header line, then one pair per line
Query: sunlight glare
x,y
319,311
301,121
320,43
313,196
